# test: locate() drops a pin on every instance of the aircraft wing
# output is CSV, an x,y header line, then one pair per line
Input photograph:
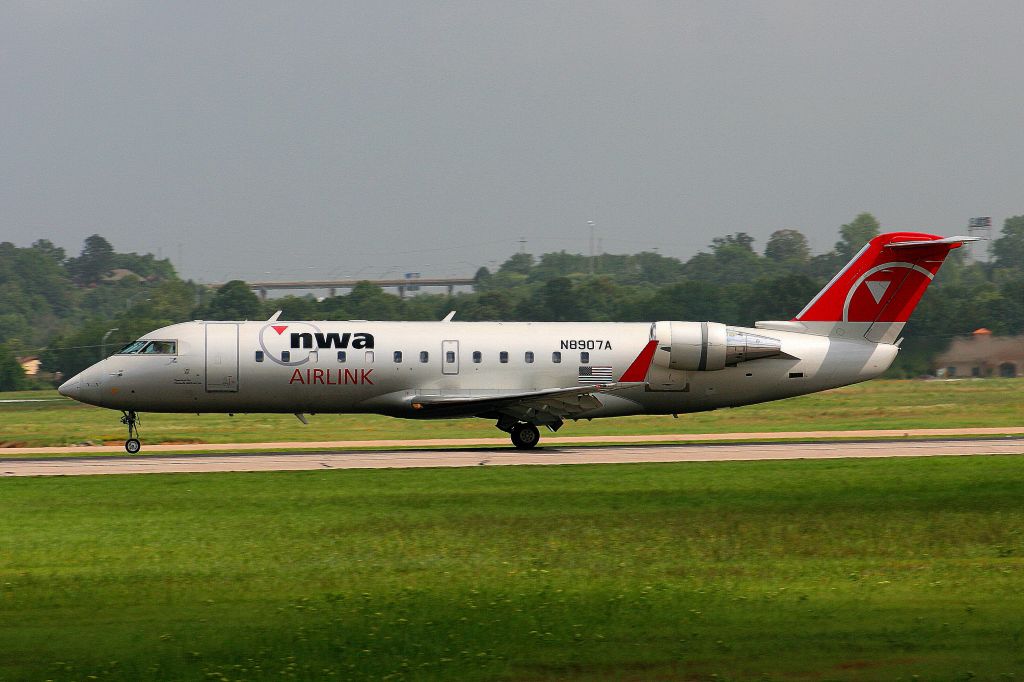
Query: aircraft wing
x,y
550,404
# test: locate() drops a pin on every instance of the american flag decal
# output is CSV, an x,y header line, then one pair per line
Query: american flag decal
x,y
595,375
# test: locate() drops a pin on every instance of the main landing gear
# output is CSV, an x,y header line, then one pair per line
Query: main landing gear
x,y
524,436
131,420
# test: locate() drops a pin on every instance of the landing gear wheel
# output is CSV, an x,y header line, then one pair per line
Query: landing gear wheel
x,y
131,420
525,436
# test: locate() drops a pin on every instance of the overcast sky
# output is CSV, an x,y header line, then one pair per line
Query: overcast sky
x,y
272,140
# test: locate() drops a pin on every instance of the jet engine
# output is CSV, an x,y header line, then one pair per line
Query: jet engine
x,y
709,346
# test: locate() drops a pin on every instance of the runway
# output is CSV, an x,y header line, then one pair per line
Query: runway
x,y
503,456
502,441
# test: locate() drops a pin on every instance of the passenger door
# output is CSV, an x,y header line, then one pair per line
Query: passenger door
x,y
449,357
221,356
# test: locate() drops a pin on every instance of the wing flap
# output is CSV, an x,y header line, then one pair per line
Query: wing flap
x,y
557,402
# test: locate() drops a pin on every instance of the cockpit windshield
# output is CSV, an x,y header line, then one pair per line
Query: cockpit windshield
x,y
147,347
133,347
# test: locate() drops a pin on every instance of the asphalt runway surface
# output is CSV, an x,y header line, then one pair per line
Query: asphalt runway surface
x,y
504,456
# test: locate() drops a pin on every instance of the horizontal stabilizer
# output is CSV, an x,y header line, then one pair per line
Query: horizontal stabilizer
x,y
958,241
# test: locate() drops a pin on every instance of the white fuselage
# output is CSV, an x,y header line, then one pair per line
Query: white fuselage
x,y
382,367
525,374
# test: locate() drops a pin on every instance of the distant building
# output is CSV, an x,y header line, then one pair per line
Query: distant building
x,y
29,365
117,274
982,355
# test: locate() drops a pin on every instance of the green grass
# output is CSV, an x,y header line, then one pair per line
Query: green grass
x,y
873,405
846,569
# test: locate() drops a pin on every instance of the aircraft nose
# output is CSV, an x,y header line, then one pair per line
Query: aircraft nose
x,y
72,388
84,386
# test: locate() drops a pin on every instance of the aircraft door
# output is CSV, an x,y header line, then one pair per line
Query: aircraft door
x,y
221,356
449,357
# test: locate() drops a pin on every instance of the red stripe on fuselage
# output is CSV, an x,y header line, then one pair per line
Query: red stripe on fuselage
x,y
638,370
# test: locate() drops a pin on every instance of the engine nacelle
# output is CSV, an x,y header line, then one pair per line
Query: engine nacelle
x,y
709,346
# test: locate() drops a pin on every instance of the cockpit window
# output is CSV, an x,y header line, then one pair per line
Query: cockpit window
x,y
147,347
160,348
133,347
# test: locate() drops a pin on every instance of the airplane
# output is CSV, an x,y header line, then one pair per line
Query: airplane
x,y
524,375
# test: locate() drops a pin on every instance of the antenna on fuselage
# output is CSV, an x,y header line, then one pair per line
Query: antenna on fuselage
x,y
273,318
449,316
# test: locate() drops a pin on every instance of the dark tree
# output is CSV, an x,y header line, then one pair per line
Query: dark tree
x,y
297,308
48,249
481,276
741,240
657,269
518,264
96,260
787,247
856,234
559,302
234,301
12,376
780,298
1008,250
732,261
370,302
559,264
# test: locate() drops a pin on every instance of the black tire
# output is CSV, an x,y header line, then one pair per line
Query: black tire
x,y
132,445
525,436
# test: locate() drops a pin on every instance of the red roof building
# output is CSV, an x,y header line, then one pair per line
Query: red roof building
x,y
982,355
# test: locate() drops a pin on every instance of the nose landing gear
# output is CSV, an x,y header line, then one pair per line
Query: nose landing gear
x,y
131,420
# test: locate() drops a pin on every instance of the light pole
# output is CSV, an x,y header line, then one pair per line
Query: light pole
x,y
590,224
103,343
981,228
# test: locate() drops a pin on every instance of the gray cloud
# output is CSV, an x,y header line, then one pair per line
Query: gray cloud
x,y
339,138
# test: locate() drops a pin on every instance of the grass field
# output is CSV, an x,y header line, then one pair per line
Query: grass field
x,y
873,405
855,569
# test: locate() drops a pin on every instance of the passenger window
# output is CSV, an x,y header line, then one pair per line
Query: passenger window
x,y
556,357
286,356
398,356
477,356
259,356
342,356
529,356
449,356
424,356
503,356
369,357
585,358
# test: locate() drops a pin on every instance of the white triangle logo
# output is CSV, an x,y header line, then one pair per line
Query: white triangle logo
x,y
877,289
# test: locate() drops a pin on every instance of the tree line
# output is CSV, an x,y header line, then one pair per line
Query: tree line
x,y
71,311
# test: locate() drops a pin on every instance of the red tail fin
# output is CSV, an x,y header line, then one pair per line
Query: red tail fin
x,y
883,283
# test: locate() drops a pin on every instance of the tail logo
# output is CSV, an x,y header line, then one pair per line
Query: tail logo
x,y
873,298
877,289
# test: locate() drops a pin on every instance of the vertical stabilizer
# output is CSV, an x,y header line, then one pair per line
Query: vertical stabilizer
x,y
874,295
